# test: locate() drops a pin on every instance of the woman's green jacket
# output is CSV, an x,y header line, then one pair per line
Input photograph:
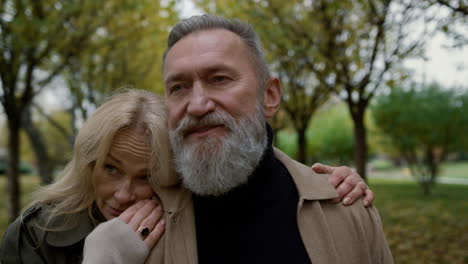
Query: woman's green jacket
x,y
27,241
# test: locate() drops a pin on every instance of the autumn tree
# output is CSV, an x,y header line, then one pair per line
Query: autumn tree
x,y
423,125
122,53
360,43
39,39
352,48
289,56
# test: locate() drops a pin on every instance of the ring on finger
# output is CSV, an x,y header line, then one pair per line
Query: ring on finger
x,y
143,230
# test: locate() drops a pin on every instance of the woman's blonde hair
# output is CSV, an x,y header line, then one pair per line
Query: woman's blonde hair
x,y
73,189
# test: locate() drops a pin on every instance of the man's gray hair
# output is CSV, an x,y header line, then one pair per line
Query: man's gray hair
x,y
243,30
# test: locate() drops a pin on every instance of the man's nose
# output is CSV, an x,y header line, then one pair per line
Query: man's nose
x,y
125,194
200,102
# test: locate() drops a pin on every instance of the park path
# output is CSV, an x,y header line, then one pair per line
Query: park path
x,y
452,180
403,176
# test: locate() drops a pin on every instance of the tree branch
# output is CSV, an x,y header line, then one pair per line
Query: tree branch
x,y
461,9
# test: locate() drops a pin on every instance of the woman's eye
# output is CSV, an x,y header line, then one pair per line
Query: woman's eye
x,y
144,178
111,169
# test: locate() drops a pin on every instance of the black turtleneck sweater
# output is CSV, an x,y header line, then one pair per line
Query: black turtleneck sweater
x,y
255,222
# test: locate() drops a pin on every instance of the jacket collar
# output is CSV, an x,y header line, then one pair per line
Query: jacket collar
x,y
82,225
310,185
173,198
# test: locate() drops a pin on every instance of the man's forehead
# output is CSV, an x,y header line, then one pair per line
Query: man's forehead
x,y
204,41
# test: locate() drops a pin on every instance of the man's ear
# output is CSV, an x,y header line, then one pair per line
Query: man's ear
x,y
271,97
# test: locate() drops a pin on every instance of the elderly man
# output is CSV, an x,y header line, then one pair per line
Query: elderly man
x,y
252,203
241,200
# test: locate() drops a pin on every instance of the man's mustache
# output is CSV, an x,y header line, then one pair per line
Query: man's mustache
x,y
217,118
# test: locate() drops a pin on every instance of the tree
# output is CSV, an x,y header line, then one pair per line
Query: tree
x,y
124,52
423,124
360,43
457,6
331,135
51,138
289,55
38,40
352,48
454,24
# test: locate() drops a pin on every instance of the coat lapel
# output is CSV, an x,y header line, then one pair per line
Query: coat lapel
x,y
313,227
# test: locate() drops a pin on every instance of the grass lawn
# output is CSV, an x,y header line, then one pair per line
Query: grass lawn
x,y
423,229
419,229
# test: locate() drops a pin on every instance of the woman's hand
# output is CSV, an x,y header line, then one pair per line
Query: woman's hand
x,y
349,185
145,218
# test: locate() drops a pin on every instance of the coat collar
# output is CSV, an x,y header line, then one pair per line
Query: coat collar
x,y
173,198
310,185
82,225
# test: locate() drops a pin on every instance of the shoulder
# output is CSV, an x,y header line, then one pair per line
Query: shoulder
x,y
27,221
23,232
310,185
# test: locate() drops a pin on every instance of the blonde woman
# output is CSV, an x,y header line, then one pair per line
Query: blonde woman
x,y
120,148
121,160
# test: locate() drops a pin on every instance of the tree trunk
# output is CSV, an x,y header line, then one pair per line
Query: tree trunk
x,y
360,146
44,163
13,186
301,145
426,187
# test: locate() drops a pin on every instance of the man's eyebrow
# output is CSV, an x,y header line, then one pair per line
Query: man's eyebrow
x,y
219,67
174,77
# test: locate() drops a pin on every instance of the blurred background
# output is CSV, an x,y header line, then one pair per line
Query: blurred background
x,y
378,85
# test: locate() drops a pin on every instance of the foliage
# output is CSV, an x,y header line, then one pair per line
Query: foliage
x,y
316,47
289,56
126,52
423,126
58,145
287,141
98,43
331,136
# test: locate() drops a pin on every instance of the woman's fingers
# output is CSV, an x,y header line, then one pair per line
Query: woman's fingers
x,y
356,192
146,218
153,238
150,221
369,197
141,214
127,215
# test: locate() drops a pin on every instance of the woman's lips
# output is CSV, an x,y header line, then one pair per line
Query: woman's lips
x,y
115,212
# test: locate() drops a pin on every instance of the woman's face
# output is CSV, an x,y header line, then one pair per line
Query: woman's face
x,y
122,180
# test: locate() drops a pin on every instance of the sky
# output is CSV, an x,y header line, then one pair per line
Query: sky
x,y
448,67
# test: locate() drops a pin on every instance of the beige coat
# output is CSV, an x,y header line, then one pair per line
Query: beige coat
x,y
332,233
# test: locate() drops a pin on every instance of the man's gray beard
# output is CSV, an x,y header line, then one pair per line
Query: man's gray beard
x,y
215,166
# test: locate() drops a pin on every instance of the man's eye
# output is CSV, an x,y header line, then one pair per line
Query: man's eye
x,y
111,169
219,79
176,87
